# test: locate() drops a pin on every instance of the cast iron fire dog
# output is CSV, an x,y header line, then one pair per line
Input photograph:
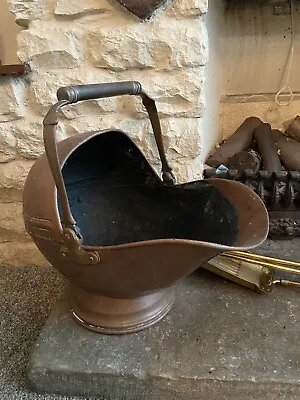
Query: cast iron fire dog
x,y
122,235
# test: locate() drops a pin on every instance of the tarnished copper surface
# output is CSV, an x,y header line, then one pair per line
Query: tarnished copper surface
x,y
120,234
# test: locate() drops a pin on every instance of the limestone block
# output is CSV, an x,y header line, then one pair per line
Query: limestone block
x,y
186,170
51,48
8,195
77,8
29,137
178,94
193,169
44,85
21,254
14,173
8,142
187,8
93,122
139,131
183,144
96,107
12,92
11,221
162,44
26,10
182,137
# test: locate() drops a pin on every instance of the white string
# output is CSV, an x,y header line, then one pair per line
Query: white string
x,y
273,114
287,87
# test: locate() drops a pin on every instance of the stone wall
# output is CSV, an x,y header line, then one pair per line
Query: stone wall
x,y
93,41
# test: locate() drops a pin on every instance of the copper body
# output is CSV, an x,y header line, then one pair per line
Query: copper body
x,y
123,288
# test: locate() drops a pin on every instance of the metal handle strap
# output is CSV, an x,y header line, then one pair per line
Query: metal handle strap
x,y
167,175
71,95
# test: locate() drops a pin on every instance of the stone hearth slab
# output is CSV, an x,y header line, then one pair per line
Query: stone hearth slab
x,y
220,341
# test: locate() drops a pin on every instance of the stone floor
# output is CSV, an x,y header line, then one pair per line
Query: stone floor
x,y
252,339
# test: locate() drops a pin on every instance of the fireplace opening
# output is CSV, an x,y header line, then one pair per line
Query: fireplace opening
x,y
255,52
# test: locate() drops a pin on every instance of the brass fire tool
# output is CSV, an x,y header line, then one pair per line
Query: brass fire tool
x,y
252,270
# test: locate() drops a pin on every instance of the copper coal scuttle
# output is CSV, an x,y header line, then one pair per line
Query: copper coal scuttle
x,y
119,233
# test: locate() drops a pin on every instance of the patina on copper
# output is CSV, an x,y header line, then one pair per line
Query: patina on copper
x,y
122,235
142,8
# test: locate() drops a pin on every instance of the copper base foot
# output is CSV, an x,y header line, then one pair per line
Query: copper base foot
x,y
115,316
